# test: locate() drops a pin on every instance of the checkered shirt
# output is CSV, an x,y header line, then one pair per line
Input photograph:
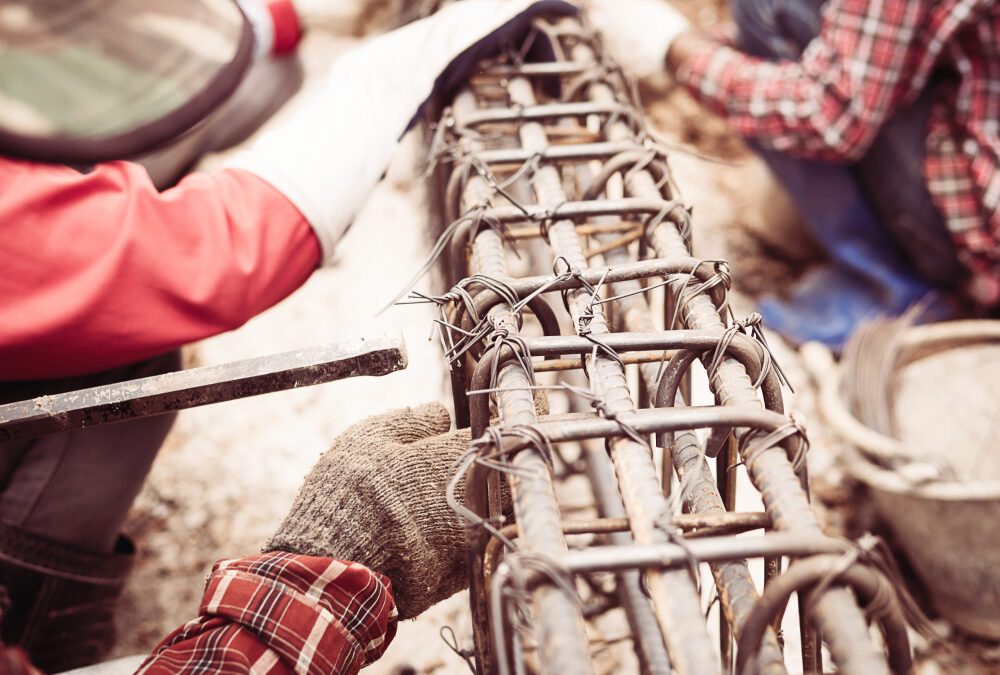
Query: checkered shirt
x,y
871,58
282,613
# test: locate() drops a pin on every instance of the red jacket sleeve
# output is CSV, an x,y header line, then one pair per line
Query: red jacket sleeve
x,y
100,269
282,613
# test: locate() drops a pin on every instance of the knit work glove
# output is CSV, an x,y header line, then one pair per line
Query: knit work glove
x,y
328,155
377,497
637,33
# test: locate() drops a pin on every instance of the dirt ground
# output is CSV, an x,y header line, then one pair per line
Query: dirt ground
x,y
228,472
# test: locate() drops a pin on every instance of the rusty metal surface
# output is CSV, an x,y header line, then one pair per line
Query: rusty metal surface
x,y
194,387
551,163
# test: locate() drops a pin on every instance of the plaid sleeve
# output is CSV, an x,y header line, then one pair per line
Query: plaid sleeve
x,y
280,612
868,59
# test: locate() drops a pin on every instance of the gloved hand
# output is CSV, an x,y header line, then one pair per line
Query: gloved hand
x,y
377,497
637,33
328,155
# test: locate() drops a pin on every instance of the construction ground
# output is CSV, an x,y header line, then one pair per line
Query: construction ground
x,y
228,472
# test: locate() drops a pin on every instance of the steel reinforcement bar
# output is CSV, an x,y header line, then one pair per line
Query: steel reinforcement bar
x,y
554,156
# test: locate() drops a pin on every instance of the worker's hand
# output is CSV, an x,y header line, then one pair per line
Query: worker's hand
x,y
637,33
328,154
377,497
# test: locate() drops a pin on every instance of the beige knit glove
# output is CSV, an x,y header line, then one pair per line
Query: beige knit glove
x,y
377,497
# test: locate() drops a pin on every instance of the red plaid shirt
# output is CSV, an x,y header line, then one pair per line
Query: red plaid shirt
x,y
871,58
282,613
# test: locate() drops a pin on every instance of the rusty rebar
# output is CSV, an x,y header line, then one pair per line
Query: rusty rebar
x,y
556,153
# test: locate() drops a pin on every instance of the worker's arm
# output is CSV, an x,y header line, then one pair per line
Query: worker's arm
x,y
868,60
377,497
101,270
282,613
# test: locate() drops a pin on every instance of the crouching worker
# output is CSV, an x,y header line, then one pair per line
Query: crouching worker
x,y
879,118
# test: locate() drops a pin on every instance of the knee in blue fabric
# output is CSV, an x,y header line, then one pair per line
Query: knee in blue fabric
x,y
829,302
866,274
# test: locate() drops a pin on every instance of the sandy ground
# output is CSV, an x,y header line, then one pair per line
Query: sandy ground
x,y
228,472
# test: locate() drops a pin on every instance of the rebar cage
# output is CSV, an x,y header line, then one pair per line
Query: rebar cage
x,y
551,154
